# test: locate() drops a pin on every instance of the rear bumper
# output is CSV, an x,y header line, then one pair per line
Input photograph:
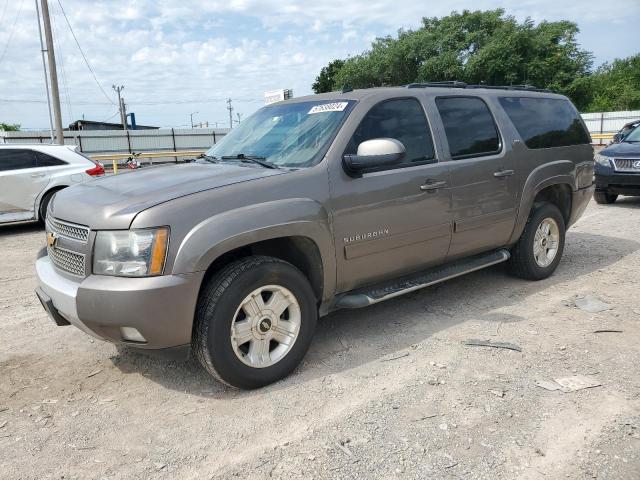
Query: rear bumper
x,y
160,309
579,201
618,183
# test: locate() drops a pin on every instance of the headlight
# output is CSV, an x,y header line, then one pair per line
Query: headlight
x,y
602,160
130,253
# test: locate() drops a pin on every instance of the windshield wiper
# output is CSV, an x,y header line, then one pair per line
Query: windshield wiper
x,y
208,158
250,159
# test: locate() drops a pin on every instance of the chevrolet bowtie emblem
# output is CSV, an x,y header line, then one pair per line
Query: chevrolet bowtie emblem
x,y
51,239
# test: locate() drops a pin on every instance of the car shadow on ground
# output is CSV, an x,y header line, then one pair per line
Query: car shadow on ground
x,y
349,338
625,202
17,229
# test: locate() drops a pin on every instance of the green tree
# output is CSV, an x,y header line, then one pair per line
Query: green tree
x,y
613,86
9,127
476,47
325,80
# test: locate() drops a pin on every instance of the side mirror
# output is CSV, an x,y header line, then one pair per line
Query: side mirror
x,y
373,154
617,138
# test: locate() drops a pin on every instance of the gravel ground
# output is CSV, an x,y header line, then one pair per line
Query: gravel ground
x,y
385,392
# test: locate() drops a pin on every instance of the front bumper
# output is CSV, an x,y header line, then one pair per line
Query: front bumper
x,y
618,182
160,308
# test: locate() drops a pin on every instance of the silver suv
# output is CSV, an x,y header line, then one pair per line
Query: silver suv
x,y
339,200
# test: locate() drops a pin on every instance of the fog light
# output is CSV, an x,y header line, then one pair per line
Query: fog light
x,y
131,334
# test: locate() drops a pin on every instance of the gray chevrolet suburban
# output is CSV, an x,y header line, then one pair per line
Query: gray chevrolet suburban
x,y
319,203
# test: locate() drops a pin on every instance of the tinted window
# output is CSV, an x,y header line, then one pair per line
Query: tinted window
x,y
16,159
545,122
469,126
45,160
401,119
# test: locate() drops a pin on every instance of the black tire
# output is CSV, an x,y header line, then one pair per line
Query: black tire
x,y
44,204
218,302
522,262
604,198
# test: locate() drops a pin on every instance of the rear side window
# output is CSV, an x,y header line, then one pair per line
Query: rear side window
x,y
402,119
545,122
45,160
469,126
16,159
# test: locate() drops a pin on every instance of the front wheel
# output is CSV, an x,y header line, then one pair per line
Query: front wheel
x,y
539,249
604,198
254,322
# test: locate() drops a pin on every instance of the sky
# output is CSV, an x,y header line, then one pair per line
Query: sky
x,y
177,57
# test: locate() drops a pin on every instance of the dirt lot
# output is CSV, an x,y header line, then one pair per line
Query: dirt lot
x,y
385,392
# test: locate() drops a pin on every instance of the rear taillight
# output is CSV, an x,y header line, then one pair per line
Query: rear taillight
x,y
96,171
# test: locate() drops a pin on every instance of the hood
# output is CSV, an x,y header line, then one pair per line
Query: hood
x,y
622,150
112,202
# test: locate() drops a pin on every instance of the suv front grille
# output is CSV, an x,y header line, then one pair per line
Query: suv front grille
x,y
627,165
65,245
70,230
67,261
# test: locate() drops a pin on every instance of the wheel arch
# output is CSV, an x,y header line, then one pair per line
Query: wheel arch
x,y
300,251
49,190
553,182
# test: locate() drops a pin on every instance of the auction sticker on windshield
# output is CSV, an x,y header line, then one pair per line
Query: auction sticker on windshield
x,y
329,107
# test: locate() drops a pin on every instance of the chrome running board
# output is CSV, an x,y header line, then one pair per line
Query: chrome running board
x,y
364,297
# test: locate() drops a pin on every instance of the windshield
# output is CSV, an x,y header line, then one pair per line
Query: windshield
x,y
286,135
634,136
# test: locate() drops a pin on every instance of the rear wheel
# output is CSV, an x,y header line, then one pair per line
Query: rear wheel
x,y
539,249
604,198
254,322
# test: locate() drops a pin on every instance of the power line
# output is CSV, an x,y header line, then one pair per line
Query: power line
x,y
198,100
13,28
141,103
25,100
83,55
110,117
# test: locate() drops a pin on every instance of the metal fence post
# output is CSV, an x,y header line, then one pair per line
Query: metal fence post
x,y
601,126
173,137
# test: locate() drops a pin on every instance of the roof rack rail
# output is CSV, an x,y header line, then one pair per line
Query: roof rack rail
x,y
451,84
528,88
459,84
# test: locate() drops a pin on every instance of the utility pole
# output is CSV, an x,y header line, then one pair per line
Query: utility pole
x,y
53,73
44,69
191,115
230,108
121,106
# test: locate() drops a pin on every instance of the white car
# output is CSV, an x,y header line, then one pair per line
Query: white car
x,y
31,174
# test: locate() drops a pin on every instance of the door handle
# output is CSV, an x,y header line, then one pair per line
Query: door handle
x,y
431,186
37,175
503,173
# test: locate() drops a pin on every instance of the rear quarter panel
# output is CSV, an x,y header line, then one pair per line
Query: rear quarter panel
x,y
571,166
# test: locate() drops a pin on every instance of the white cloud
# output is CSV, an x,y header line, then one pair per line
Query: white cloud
x,y
166,50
